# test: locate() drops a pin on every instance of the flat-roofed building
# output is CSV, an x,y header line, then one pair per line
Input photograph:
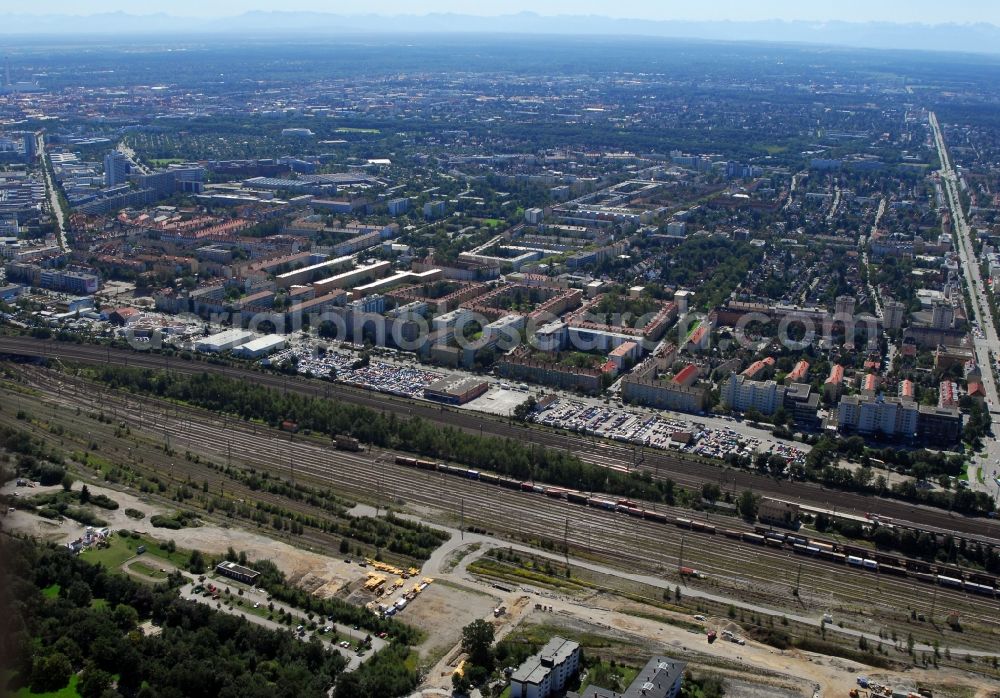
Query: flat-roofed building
x,y
868,414
939,425
456,391
741,394
237,572
223,341
261,346
546,673
345,279
662,677
313,271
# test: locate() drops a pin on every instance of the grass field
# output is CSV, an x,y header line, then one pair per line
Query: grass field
x,y
772,149
68,692
163,162
147,570
122,549
51,592
118,551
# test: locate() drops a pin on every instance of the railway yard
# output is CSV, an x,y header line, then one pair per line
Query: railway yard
x,y
800,578
686,470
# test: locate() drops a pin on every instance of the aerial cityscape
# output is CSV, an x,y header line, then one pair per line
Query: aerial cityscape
x,y
401,354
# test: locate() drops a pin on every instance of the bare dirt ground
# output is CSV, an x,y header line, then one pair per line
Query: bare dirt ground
x,y
444,608
441,611
321,575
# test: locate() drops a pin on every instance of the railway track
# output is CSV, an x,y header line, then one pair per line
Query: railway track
x,y
688,471
636,544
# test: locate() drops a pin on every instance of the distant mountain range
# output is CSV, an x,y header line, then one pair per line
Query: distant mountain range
x,y
975,38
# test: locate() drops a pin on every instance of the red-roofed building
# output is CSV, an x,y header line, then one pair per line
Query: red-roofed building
x,y
977,391
697,337
628,351
123,316
870,384
906,389
799,373
948,394
756,367
687,375
831,388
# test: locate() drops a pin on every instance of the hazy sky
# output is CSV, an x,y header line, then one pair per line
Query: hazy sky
x,y
927,11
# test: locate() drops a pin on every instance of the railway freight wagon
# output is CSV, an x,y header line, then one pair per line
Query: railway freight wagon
x,y
347,443
856,559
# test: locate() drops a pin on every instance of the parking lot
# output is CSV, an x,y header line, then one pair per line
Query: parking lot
x,y
657,431
383,376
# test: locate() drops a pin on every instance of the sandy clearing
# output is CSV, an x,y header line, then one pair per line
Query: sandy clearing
x,y
322,575
441,611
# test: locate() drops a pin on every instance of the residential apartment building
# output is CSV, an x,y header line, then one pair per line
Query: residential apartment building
x,y
546,673
741,394
869,414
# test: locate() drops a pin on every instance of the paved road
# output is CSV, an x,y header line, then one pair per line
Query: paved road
x,y
986,344
130,154
53,194
257,596
872,291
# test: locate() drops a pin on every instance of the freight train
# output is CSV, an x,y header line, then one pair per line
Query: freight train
x,y
861,559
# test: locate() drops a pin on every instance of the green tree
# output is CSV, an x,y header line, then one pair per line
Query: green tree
x,y
67,482
79,593
477,642
126,617
93,682
196,563
50,672
747,504
460,684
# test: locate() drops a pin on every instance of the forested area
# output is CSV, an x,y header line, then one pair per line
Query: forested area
x,y
70,620
715,266
506,456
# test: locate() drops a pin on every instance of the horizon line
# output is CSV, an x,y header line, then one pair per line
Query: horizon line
x,y
495,15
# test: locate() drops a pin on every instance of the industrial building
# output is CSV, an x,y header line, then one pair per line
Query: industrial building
x,y
456,390
237,572
262,346
223,341
546,673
